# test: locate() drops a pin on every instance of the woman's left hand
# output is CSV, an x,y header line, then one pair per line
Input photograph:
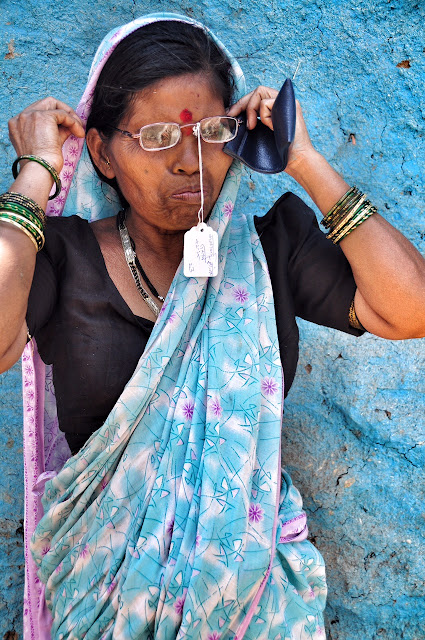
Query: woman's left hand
x,y
259,103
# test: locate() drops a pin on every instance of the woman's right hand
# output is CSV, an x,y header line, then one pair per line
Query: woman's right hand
x,y
42,128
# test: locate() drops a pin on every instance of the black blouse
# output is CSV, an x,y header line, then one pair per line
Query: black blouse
x,y
85,329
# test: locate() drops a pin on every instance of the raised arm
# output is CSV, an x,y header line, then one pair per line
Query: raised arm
x,y
40,130
388,270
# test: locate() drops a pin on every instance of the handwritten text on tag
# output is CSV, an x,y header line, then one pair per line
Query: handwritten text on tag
x,y
200,254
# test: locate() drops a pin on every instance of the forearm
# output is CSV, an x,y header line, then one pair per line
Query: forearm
x,y
316,176
17,263
388,270
390,277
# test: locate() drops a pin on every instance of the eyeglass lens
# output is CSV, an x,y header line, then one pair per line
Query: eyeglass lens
x,y
164,135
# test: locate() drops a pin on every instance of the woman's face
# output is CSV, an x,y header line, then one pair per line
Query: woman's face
x,y
163,187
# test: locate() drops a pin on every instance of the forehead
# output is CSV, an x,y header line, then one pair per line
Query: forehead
x,y
175,99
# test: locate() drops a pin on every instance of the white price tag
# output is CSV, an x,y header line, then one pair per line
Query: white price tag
x,y
200,254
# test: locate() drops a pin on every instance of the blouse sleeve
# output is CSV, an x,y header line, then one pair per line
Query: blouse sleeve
x,y
44,288
320,276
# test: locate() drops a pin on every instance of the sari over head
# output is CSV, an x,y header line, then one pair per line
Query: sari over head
x,y
174,520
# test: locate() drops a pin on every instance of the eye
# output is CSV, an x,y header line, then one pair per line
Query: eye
x,y
160,135
211,127
218,129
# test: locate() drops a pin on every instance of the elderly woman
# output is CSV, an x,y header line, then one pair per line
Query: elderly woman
x,y
172,518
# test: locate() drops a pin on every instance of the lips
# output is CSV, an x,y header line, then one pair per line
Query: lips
x,y
190,194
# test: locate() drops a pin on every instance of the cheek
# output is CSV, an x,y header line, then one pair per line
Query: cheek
x,y
221,165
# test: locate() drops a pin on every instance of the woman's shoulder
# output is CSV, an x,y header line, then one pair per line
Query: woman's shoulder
x,y
287,224
66,236
66,229
288,210
62,224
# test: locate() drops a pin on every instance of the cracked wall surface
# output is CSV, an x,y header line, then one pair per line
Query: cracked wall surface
x,y
354,437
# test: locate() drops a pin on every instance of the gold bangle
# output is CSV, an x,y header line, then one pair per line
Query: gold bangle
x,y
356,222
23,219
353,319
347,219
341,202
19,226
348,211
24,222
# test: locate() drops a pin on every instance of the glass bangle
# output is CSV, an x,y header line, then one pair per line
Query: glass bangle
x,y
354,211
29,204
340,202
44,164
342,211
353,225
25,224
37,234
338,236
23,211
21,228
349,209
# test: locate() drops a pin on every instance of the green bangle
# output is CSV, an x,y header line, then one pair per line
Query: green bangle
x,y
27,224
11,197
36,233
21,228
352,192
351,214
44,164
23,211
339,214
354,224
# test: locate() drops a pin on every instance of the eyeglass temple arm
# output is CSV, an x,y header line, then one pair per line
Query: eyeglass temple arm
x,y
126,133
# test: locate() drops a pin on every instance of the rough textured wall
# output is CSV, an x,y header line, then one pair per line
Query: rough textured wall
x,y
354,439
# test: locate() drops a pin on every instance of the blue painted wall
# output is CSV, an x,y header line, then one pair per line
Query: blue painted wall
x,y
354,440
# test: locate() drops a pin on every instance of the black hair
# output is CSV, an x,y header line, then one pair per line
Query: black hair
x,y
152,53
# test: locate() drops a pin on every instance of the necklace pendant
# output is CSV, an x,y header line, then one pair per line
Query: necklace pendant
x,y
130,255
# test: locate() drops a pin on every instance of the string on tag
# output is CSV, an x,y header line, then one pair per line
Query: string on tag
x,y
197,132
200,249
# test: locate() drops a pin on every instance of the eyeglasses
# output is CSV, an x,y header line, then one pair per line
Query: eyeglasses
x,y
164,135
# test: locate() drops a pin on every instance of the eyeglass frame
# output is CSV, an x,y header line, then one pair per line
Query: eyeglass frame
x,y
194,125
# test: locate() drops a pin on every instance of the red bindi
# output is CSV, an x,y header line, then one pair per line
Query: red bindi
x,y
186,115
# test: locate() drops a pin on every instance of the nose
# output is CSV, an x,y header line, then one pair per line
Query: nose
x,y
186,154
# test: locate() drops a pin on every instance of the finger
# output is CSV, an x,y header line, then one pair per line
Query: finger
x,y
51,104
249,103
252,103
69,121
240,105
48,104
253,109
68,109
64,119
266,112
